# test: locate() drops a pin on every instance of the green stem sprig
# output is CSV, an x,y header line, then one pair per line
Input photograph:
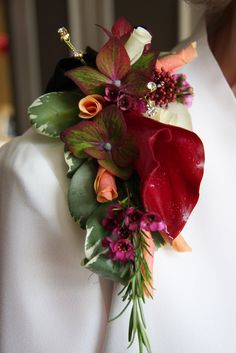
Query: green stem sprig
x,y
133,292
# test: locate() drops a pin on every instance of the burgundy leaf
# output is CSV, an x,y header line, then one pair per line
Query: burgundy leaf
x,y
113,60
135,83
108,33
125,153
121,27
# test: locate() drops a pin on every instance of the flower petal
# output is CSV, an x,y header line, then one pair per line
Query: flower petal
x,y
105,186
174,62
90,106
170,166
113,60
136,43
180,244
177,114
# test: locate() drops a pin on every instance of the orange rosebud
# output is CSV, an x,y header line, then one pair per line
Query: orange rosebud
x,y
90,106
105,186
149,257
174,62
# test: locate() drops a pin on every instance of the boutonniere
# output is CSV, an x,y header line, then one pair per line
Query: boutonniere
x,y
134,165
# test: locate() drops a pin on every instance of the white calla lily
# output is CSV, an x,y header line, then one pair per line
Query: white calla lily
x,y
176,114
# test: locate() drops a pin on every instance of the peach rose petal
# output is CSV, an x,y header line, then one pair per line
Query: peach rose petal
x,y
105,186
174,62
180,244
149,257
90,106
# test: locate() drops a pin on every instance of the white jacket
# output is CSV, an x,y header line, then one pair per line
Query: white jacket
x,y
50,304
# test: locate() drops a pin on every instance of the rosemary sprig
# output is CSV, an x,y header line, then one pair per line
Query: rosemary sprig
x,y
133,292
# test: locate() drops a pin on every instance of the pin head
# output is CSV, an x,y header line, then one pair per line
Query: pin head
x,y
63,33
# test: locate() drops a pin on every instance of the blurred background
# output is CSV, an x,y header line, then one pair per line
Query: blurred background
x,y
30,47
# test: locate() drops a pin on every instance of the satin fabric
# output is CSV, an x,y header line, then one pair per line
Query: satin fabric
x,y
51,304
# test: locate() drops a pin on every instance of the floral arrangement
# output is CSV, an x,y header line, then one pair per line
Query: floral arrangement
x,y
134,164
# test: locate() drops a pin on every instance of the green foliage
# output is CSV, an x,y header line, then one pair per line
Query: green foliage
x,y
104,138
88,79
96,259
158,240
95,231
72,162
145,62
53,112
108,269
133,294
81,195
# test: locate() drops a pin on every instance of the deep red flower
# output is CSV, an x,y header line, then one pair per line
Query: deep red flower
x,y
120,250
170,166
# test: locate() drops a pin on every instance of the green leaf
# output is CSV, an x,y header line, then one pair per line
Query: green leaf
x,y
158,240
112,121
123,173
95,231
85,139
53,112
81,195
72,162
107,268
145,62
89,80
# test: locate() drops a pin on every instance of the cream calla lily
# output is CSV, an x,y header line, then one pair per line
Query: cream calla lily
x,y
136,43
177,114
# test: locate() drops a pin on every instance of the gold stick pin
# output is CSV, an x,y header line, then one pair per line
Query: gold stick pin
x,y
65,36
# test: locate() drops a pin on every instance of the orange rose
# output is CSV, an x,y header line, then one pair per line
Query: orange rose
x,y
105,186
90,106
149,257
173,62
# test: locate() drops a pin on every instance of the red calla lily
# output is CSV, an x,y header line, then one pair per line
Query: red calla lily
x,y
170,166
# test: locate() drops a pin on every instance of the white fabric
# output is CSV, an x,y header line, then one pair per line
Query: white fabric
x,y
52,305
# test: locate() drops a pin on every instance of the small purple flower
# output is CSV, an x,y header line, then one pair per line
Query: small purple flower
x,y
111,94
121,250
125,102
109,223
152,222
114,217
187,100
132,218
123,231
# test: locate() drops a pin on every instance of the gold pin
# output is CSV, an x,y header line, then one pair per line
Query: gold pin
x,y
65,36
